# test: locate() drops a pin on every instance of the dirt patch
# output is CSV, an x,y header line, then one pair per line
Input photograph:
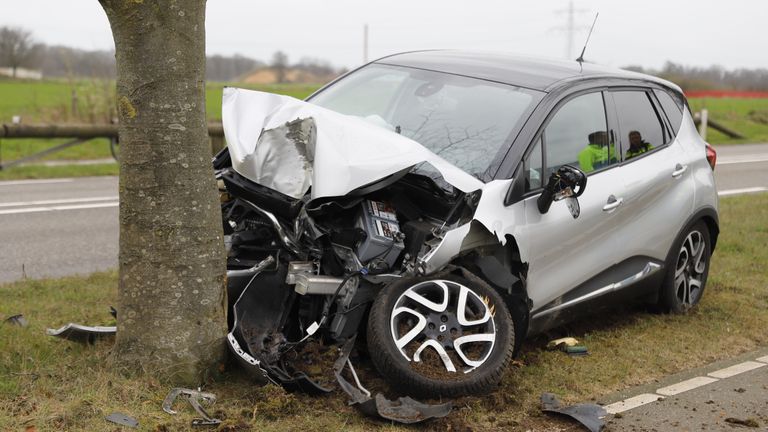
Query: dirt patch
x,y
316,360
276,403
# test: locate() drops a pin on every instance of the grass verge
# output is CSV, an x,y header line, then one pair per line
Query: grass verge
x,y
58,171
748,117
57,385
50,101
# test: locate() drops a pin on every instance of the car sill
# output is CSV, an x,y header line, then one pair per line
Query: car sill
x,y
649,269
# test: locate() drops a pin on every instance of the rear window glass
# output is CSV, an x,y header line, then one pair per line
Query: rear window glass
x,y
673,109
641,128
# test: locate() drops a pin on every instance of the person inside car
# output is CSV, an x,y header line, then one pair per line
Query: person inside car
x,y
597,153
636,145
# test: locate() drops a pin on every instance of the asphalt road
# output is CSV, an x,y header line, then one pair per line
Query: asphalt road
x,y
52,228
718,397
58,227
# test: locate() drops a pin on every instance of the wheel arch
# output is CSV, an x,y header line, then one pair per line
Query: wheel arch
x,y
501,267
710,217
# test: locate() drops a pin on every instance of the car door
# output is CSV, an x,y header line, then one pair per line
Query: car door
x,y
658,186
563,251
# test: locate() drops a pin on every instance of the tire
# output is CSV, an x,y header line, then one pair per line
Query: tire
x,y
687,262
417,368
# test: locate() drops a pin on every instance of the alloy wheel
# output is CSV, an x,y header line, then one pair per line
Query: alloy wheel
x,y
448,318
690,268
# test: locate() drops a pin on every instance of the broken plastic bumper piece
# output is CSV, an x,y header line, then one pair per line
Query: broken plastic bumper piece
x,y
82,333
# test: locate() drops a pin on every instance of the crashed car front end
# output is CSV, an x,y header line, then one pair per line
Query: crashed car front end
x,y
323,212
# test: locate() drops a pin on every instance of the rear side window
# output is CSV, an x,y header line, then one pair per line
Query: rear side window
x,y
641,129
673,109
578,135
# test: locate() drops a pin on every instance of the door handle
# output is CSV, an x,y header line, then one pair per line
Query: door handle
x,y
613,202
679,170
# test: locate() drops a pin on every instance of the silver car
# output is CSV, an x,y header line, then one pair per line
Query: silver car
x,y
444,205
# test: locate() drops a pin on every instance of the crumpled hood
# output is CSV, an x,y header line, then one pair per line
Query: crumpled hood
x,y
347,152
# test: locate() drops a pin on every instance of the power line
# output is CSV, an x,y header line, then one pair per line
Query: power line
x,y
570,28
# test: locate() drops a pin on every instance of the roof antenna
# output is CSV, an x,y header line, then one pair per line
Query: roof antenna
x,y
581,57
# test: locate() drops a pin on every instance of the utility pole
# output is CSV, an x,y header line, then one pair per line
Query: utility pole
x,y
365,43
570,28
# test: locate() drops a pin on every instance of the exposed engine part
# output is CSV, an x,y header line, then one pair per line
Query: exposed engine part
x,y
416,233
287,241
384,241
320,285
268,261
351,261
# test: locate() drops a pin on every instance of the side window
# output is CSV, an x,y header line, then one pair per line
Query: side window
x,y
533,168
673,109
578,135
640,125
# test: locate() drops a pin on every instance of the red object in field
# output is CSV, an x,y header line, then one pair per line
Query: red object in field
x,y
726,94
711,156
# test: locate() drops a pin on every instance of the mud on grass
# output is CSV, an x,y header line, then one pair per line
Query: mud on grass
x,y
57,385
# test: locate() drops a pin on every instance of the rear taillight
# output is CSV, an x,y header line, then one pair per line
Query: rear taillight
x,y
711,156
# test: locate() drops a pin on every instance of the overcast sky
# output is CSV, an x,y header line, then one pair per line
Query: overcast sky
x,y
641,32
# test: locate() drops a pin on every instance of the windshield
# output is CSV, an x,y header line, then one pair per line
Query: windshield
x,y
466,121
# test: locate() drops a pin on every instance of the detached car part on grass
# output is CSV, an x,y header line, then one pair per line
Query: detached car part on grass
x,y
328,223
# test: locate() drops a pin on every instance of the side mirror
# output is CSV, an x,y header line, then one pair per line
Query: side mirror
x,y
566,182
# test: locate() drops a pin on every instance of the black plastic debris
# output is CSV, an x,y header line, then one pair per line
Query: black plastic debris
x,y
122,420
81,333
589,415
257,340
194,397
403,410
750,422
17,320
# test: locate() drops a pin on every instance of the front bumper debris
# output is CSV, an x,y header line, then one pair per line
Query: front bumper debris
x,y
82,333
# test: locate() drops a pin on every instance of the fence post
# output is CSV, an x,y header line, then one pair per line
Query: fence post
x,y
703,124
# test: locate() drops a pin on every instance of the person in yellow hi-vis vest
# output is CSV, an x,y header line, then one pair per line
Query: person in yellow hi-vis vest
x,y
636,145
597,153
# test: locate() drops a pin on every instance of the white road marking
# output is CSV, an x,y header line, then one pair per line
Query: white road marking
x,y
750,158
631,403
26,182
736,369
742,191
685,386
58,208
58,201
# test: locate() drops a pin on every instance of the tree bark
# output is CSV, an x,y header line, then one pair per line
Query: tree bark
x,y
171,294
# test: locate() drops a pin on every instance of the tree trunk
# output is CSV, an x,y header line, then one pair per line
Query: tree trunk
x,y
171,294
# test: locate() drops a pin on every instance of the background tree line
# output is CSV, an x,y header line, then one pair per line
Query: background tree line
x,y
19,49
713,77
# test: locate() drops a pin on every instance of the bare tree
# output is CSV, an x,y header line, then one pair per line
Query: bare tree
x,y
280,65
17,47
171,296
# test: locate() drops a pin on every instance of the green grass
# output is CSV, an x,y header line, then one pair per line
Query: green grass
x,y
57,385
59,171
214,91
748,117
50,101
